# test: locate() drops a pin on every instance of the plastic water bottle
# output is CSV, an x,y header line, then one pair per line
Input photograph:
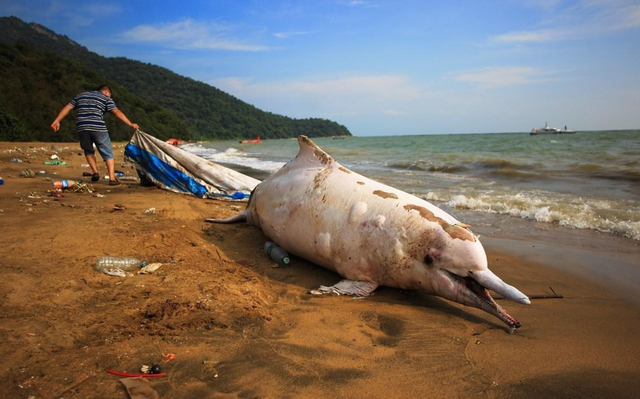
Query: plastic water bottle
x,y
119,262
276,253
60,184
1,181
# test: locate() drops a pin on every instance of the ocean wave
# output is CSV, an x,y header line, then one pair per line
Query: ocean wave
x,y
198,149
599,215
501,164
234,156
429,167
615,173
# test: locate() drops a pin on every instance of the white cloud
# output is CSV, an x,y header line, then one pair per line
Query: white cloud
x,y
490,78
531,36
287,35
583,19
189,34
353,95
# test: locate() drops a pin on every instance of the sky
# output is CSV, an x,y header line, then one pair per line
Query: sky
x,y
383,67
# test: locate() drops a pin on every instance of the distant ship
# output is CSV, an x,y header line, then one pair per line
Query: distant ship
x,y
551,130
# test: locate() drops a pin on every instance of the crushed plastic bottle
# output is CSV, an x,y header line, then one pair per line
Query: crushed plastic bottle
x,y
276,253
123,263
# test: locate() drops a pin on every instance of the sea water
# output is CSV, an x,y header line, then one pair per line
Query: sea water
x,y
503,184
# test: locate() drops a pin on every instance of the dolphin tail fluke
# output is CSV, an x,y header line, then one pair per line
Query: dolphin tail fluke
x,y
240,217
493,282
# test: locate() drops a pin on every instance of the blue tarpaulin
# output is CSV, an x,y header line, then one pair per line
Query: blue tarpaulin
x,y
177,170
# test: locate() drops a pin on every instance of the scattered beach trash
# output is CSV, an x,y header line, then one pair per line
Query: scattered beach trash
x,y
150,211
119,207
56,162
279,255
153,369
98,195
168,357
56,194
81,187
129,178
150,268
85,165
55,156
16,160
42,172
134,375
62,184
1,181
28,173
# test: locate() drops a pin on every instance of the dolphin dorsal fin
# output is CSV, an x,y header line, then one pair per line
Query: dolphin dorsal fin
x,y
310,151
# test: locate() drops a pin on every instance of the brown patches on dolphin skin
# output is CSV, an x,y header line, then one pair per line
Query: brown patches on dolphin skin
x,y
320,178
345,170
383,194
361,183
458,231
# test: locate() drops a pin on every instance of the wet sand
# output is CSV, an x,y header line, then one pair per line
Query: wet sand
x,y
239,327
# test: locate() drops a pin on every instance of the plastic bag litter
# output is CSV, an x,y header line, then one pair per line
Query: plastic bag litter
x,y
150,268
114,271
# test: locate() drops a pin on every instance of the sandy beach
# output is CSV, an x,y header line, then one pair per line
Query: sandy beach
x,y
239,327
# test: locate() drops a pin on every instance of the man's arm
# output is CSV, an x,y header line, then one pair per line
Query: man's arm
x,y
64,112
124,119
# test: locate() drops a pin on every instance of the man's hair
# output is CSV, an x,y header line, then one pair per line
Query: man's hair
x,y
102,87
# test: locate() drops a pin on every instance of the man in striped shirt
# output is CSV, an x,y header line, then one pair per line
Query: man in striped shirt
x,y
91,129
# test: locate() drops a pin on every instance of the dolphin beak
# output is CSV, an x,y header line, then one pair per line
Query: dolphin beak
x,y
489,280
473,290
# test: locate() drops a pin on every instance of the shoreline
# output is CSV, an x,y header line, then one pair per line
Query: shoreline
x,y
218,299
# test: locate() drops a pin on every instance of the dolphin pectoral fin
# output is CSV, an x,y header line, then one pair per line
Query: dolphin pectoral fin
x,y
240,217
347,287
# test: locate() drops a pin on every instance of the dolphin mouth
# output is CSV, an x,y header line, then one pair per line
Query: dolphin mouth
x,y
480,295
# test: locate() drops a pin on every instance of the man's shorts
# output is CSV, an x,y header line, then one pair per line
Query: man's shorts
x,y
100,139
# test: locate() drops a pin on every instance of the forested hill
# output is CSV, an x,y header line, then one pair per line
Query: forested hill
x,y
41,71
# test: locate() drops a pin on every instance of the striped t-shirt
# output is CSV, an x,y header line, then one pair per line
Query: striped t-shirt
x,y
91,106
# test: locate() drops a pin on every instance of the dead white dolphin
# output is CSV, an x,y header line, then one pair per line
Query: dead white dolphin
x,y
372,234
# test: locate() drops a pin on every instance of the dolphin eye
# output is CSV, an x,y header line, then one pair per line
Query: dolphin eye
x,y
428,259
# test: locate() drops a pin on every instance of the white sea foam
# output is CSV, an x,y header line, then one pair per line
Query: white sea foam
x,y
578,213
233,156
